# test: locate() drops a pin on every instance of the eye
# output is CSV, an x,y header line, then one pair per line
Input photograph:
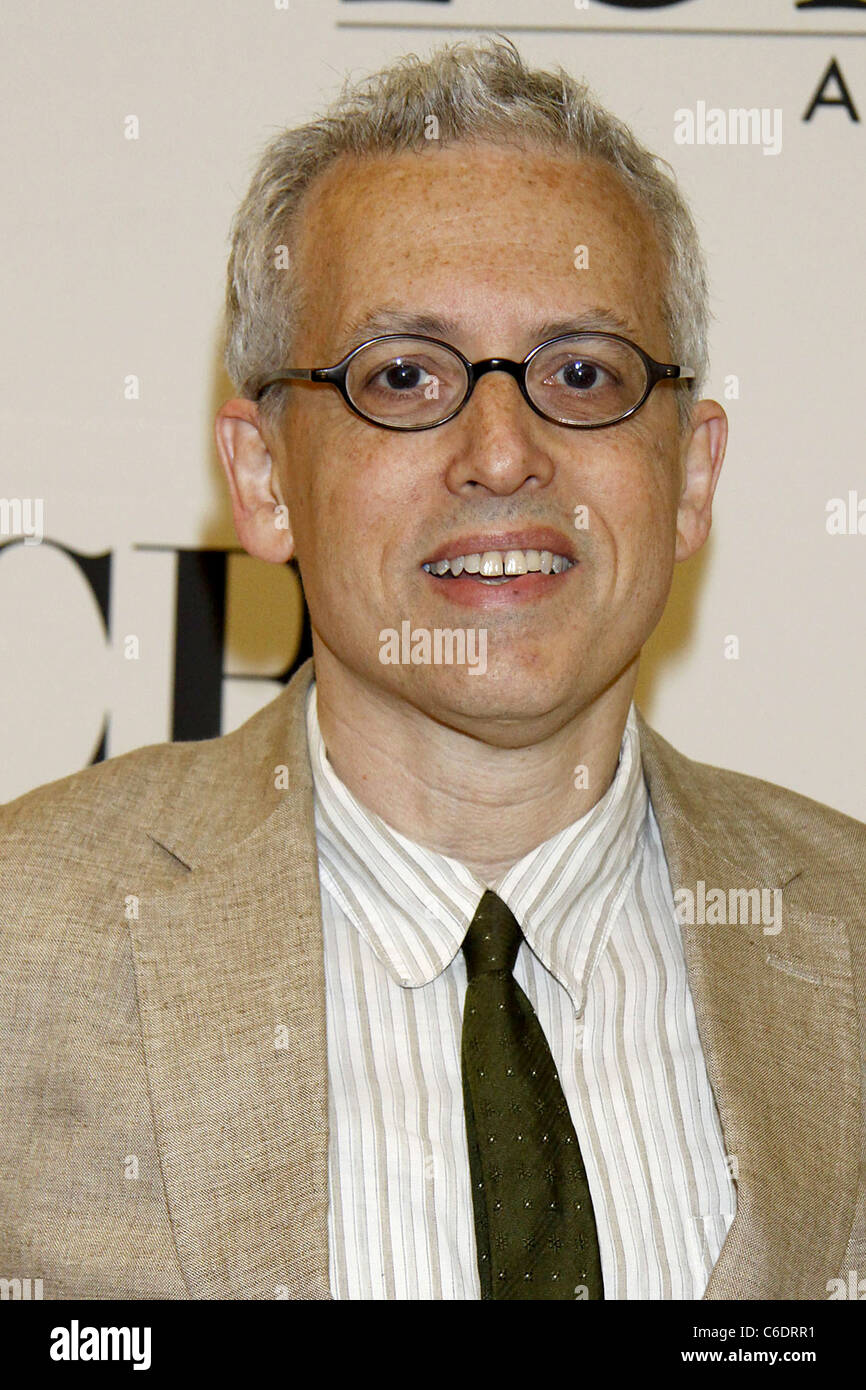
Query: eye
x,y
401,375
582,374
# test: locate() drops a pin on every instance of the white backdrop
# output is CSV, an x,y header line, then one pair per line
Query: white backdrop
x,y
112,283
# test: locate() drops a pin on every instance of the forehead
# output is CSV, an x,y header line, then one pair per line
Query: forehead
x,y
480,235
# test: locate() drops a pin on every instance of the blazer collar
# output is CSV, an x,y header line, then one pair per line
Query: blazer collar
x,y
232,993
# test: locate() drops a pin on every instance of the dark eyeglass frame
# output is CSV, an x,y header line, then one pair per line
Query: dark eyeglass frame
x,y
337,375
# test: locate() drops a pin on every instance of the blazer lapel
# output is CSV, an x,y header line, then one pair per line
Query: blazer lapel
x,y
232,996
777,1018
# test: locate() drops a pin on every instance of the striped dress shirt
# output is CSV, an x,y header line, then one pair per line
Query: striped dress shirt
x,y
602,965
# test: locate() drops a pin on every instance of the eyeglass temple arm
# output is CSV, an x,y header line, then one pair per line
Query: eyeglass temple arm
x,y
288,374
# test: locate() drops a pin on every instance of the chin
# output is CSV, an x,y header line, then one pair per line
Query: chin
x,y
520,700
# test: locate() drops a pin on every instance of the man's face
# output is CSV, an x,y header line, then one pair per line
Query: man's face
x,y
481,242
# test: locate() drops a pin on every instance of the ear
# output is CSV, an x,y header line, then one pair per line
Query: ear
x,y
260,515
701,462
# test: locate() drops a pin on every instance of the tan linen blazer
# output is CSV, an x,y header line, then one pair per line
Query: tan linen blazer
x,y
161,932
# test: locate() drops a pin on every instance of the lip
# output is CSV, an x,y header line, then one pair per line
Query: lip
x,y
476,543
467,593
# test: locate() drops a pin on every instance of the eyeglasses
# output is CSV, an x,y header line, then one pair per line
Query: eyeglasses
x,y
410,382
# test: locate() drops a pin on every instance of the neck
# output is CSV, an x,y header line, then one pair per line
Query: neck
x,y
455,793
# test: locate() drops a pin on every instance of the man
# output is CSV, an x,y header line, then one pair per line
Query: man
x,y
245,1054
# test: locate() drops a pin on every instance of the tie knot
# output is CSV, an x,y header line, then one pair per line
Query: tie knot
x,y
493,938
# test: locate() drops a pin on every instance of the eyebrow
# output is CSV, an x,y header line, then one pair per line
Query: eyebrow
x,y
382,321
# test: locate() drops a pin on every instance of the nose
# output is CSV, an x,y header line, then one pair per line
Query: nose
x,y
498,440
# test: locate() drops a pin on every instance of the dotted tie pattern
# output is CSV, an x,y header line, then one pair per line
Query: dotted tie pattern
x,y
534,1223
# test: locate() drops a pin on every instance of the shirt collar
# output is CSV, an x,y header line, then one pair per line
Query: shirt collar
x,y
413,906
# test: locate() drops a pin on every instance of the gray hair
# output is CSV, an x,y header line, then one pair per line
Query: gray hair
x,y
477,90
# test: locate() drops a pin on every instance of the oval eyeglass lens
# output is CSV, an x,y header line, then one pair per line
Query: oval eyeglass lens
x,y
406,382
586,380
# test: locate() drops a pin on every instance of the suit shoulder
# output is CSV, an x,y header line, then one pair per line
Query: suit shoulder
x,y
117,791
791,809
116,813
736,805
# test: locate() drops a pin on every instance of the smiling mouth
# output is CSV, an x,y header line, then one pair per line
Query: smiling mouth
x,y
499,566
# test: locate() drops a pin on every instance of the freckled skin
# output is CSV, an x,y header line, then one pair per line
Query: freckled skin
x,y
483,236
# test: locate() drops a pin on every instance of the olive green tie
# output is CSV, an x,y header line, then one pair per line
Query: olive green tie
x,y
534,1223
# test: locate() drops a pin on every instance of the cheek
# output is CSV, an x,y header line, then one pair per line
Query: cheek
x,y
357,501
366,483
639,507
657,470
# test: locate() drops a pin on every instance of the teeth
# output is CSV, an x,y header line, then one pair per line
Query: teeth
x,y
501,564
491,564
